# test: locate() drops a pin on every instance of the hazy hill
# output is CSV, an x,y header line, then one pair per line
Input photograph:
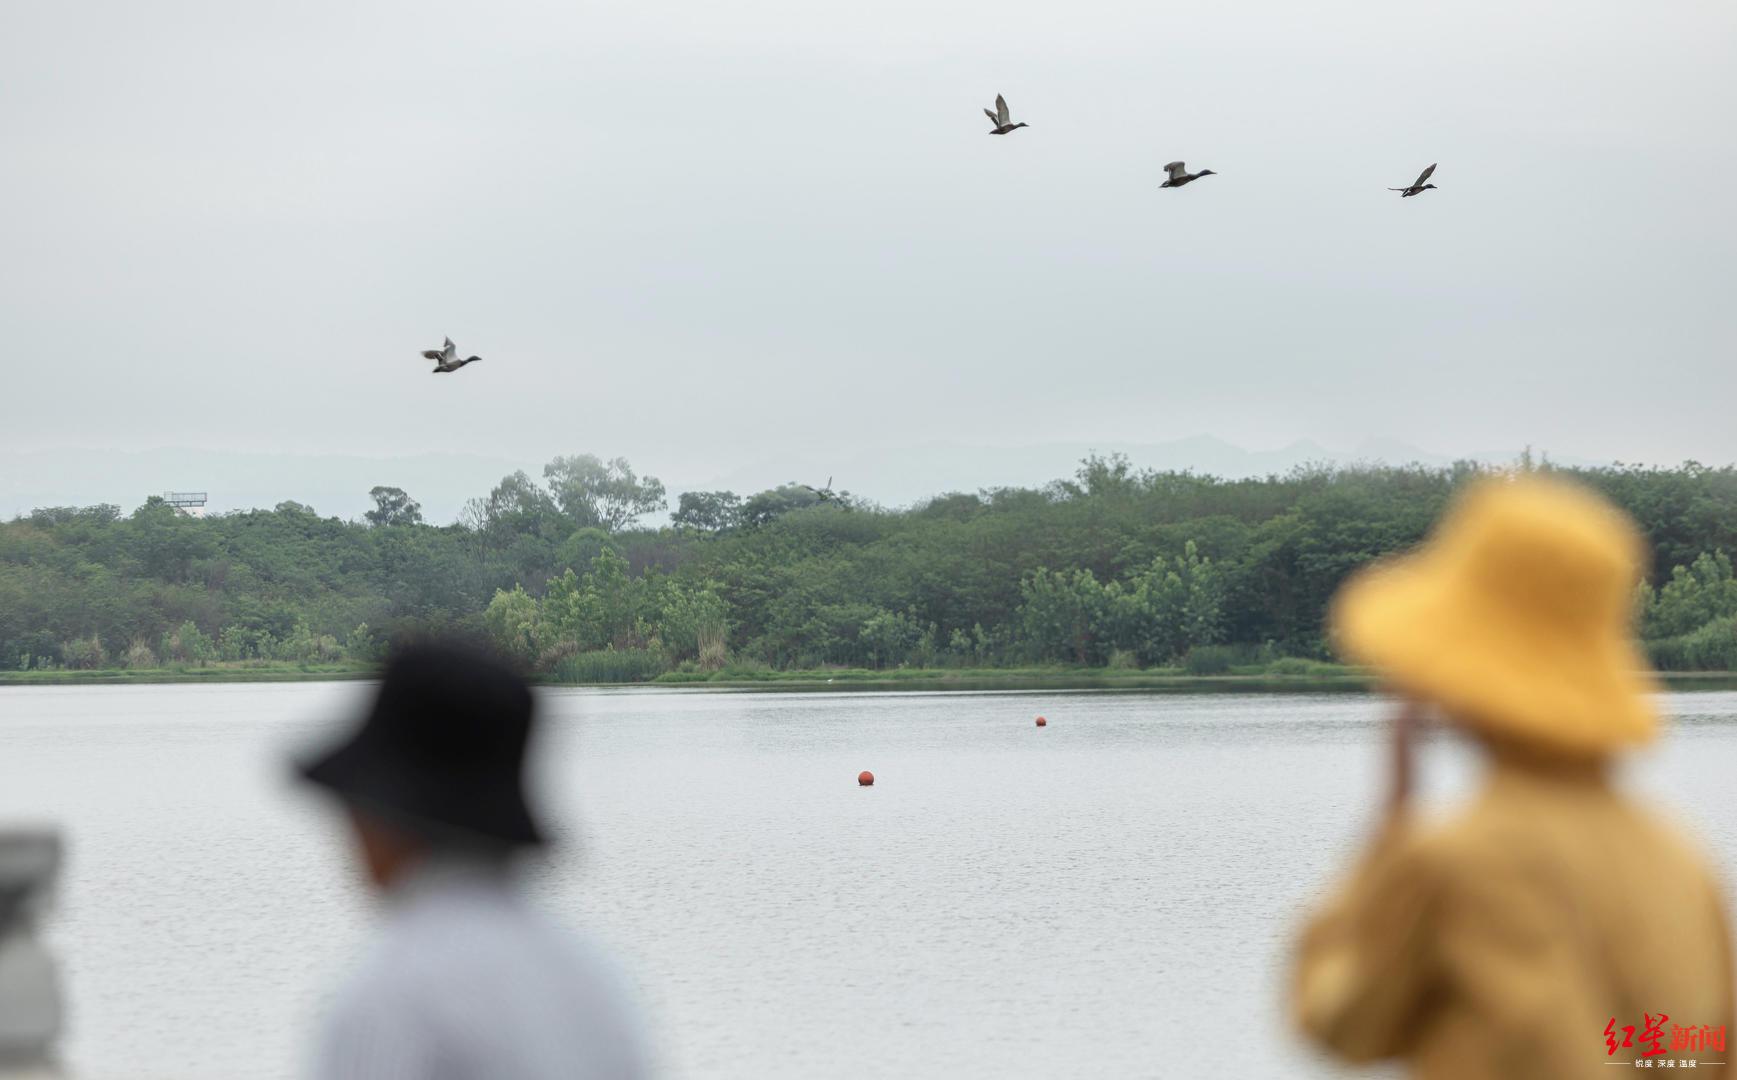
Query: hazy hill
x,y
337,485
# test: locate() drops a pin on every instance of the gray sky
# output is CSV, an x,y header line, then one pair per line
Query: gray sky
x,y
702,234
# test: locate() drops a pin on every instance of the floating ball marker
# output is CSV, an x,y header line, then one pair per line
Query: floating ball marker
x,y
866,778
1041,722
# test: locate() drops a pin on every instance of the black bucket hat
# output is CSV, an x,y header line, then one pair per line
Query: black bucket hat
x,y
441,751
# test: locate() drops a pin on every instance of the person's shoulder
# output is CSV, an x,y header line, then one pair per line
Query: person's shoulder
x,y
1673,843
583,981
382,1013
418,962
1570,837
499,938
393,969
1428,855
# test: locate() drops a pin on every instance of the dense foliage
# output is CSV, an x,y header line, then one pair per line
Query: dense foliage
x,y
1111,567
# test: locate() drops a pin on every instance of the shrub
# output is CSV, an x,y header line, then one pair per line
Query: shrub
x,y
550,656
692,620
1669,654
84,654
300,646
891,638
1210,659
612,666
713,654
139,655
1713,647
1123,660
361,646
238,643
1697,595
746,667
511,620
187,644
327,650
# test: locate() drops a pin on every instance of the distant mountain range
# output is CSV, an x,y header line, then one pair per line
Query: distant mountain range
x,y
337,485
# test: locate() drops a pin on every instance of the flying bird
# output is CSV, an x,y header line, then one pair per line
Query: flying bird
x,y
1417,188
446,358
1180,175
1003,123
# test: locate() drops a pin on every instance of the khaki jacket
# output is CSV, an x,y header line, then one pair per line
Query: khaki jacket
x,y
1506,942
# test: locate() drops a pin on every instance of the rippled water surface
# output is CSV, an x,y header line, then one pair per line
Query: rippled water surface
x,y
1110,896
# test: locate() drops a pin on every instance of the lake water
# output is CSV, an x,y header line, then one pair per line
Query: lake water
x,y
1110,896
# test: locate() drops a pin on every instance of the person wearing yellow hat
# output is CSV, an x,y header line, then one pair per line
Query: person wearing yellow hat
x,y
1554,926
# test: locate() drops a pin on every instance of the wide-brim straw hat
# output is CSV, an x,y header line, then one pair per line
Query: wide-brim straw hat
x,y
1516,617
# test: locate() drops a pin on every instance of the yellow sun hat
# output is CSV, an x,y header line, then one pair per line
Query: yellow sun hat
x,y
1516,617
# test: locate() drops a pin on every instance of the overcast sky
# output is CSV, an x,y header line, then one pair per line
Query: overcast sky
x,y
698,234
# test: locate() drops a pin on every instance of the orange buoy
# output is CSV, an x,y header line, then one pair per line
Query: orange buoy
x,y
866,778
1041,722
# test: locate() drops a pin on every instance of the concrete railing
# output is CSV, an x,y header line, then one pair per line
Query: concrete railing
x,y
30,1002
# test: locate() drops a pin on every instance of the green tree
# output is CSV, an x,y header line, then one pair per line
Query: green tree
x,y
1696,595
85,653
707,511
692,620
581,547
187,644
1061,615
607,495
617,597
571,617
1168,608
518,507
393,507
360,645
301,645
890,638
1079,571
603,608
1102,477
768,506
511,620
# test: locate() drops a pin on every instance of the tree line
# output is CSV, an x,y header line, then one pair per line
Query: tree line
x,y
1112,566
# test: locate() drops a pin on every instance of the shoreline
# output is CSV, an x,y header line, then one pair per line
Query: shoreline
x,y
194,675
1328,679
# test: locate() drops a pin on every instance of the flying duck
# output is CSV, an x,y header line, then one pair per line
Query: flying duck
x,y
446,358
1000,119
1180,175
1417,188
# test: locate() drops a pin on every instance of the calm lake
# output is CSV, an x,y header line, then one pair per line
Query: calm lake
x,y
1110,896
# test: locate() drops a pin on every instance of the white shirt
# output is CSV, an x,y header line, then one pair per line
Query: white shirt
x,y
467,981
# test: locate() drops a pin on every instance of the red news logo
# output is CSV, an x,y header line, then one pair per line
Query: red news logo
x,y
1651,1039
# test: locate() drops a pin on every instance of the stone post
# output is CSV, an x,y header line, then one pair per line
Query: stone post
x,y
29,984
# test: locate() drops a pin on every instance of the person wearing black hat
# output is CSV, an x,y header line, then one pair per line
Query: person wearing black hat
x,y
466,980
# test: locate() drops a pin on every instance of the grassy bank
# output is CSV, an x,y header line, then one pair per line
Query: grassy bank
x,y
1288,675
1281,674
212,673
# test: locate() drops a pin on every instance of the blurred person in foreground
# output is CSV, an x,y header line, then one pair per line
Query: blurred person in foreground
x,y
466,980
1554,926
